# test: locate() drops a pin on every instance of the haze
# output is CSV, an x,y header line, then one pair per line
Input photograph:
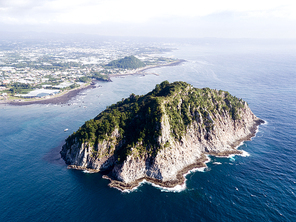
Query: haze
x,y
153,18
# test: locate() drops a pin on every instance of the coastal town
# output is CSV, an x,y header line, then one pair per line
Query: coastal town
x,y
49,70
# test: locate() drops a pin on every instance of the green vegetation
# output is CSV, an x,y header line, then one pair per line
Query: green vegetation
x,y
128,62
138,118
100,76
73,86
20,88
54,66
84,79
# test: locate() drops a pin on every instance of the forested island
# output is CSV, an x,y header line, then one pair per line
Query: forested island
x,y
161,135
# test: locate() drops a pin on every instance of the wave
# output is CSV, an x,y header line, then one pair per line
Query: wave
x,y
244,154
231,156
176,189
133,189
88,171
265,122
217,163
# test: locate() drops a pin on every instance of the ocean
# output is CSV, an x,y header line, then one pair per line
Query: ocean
x,y
35,184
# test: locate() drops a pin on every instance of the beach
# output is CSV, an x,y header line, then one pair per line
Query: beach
x,y
61,98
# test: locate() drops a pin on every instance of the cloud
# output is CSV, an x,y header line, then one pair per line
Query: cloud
x,y
155,17
96,12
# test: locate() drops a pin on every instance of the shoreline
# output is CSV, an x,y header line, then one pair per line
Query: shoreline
x,y
180,181
61,98
141,70
64,97
166,184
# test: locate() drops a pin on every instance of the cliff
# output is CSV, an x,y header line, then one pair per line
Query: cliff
x,y
161,135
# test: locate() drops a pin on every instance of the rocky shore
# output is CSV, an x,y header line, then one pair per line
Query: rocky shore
x,y
180,179
180,176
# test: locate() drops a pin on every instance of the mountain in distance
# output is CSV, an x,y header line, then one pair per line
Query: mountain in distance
x,y
128,62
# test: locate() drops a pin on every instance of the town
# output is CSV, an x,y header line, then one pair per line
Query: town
x,y
30,70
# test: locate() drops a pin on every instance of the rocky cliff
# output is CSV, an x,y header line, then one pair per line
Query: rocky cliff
x,y
161,135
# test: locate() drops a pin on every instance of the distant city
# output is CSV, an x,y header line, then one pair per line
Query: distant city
x,y
32,69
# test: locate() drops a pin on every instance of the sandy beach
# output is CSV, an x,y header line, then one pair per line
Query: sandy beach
x,y
57,99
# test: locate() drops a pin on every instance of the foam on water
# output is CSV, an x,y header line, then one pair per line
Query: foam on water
x,y
265,122
244,154
88,171
217,163
178,188
231,158
130,190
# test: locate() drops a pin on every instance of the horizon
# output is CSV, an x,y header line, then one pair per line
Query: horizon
x,y
160,19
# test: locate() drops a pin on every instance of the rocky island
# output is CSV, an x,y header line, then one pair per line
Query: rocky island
x,y
160,136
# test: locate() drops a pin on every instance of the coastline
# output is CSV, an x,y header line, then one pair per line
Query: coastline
x,y
74,167
141,70
61,98
180,181
64,97
166,184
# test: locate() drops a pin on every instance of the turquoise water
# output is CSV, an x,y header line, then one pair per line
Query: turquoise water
x,y
35,184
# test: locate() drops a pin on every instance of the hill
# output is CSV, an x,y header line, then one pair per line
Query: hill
x,y
128,62
161,135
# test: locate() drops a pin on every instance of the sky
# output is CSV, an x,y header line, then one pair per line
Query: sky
x,y
153,18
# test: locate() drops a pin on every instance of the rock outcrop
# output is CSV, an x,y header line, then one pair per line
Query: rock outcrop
x,y
162,135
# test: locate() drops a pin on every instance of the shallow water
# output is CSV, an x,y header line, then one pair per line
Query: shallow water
x,y
37,186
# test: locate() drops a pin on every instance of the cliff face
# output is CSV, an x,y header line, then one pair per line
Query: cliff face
x,y
82,156
187,123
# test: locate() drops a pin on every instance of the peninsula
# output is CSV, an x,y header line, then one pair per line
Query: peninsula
x,y
160,136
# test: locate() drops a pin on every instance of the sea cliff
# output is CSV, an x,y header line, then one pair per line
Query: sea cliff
x,y
161,135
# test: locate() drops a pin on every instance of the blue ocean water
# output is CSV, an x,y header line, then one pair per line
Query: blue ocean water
x,y
35,184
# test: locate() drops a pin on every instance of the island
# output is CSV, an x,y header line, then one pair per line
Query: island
x,y
160,136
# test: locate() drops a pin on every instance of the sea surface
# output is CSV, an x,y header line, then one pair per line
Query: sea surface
x,y
35,184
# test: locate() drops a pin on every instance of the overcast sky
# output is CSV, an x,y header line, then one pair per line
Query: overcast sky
x,y
159,18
